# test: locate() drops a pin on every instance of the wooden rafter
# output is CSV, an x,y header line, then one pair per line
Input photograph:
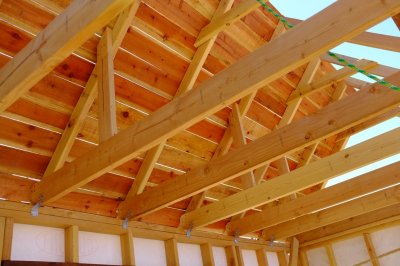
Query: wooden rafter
x,y
369,203
88,95
147,133
356,187
396,20
374,40
57,41
335,117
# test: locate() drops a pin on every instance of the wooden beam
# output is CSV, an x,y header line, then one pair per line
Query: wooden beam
x,y
396,20
72,244
186,85
106,98
231,257
207,255
371,249
262,257
306,176
88,95
225,20
282,258
2,229
56,42
375,40
331,255
352,188
128,256
369,203
380,70
171,251
7,238
348,228
239,256
294,48
294,252
329,80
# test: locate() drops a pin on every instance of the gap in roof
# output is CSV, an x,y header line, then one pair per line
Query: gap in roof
x,y
362,136
305,9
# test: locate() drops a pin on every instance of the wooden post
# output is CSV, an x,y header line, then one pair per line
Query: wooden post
x,y
7,238
72,244
294,252
282,258
331,255
128,255
2,228
239,256
207,254
371,249
231,257
262,257
303,258
171,251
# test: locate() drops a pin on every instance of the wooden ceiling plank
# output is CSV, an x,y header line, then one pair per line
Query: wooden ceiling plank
x,y
369,203
305,176
225,20
88,95
107,119
228,86
315,201
57,41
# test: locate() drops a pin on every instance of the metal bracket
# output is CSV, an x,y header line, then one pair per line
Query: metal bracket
x,y
125,224
236,237
35,208
189,230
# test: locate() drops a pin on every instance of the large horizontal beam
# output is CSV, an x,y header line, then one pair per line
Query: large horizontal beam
x,y
352,226
297,180
369,203
355,187
273,60
58,40
334,118
375,40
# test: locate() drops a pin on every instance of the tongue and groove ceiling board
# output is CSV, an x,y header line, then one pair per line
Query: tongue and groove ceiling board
x,y
149,66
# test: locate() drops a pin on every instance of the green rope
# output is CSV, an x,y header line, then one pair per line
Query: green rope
x,y
333,55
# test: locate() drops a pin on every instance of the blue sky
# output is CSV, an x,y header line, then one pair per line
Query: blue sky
x,y
305,9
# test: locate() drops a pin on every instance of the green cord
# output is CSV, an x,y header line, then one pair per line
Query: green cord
x,y
331,54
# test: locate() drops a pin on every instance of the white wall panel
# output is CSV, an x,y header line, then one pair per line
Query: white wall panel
x,y
37,243
99,248
219,256
149,252
350,251
249,257
318,257
189,255
272,258
386,240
